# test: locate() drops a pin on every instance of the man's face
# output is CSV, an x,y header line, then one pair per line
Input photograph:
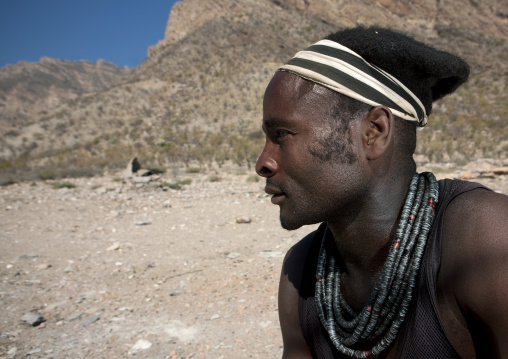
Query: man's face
x,y
308,187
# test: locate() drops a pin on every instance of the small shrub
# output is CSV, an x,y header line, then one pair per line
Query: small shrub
x,y
46,174
7,181
64,185
12,133
214,178
193,170
5,164
156,169
178,184
253,178
175,185
185,182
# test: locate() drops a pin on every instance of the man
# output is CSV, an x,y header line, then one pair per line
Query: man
x,y
402,266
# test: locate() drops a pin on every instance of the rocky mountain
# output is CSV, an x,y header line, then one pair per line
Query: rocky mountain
x,y
27,88
197,96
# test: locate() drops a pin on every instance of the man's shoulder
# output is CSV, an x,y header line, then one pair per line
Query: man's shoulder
x,y
475,231
477,208
473,263
295,262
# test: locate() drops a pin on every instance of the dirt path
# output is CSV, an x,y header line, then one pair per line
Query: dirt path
x,y
124,270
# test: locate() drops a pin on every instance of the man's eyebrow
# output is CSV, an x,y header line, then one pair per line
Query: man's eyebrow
x,y
274,122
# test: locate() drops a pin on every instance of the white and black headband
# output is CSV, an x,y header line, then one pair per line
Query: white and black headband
x,y
340,69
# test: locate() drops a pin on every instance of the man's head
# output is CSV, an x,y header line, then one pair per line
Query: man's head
x,y
379,66
335,118
303,174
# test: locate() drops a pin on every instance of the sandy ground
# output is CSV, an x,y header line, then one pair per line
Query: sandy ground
x,y
119,269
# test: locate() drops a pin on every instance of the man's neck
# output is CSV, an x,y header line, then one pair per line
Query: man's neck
x,y
363,242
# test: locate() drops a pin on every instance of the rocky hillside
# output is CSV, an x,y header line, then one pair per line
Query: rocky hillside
x,y
197,96
29,88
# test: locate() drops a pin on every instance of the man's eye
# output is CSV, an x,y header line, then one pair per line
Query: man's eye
x,y
282,133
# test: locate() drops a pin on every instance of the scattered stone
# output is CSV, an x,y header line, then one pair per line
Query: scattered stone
x,y
52,306
141,344
33,319
42,266
466,175
233,255
245,220
500,171
91,319
215,316
141,179
265,324
144,173
489,175
29,256
271,254
114,247
74,316
143,223
35,351
123,309
101,190
12,352
175,293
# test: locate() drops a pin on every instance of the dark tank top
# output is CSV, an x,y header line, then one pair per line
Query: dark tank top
x,y
421,335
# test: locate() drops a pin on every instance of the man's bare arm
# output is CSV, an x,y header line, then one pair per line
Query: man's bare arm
x,y
295,346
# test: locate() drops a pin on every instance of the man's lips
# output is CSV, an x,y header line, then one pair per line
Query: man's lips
x,y
277,194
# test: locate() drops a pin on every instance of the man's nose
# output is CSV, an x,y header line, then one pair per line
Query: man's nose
x,y
266,165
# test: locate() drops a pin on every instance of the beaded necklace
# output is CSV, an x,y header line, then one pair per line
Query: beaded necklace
x,y
381,317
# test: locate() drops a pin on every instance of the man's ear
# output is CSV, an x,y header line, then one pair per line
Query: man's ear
x,y
377,131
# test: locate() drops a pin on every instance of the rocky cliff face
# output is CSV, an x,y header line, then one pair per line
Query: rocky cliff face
x,y
199,92
488,17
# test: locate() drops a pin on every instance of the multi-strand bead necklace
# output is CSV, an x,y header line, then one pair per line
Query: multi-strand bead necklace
x,y
381,317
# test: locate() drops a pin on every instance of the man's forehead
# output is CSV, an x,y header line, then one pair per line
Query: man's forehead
x,y
290,99
295,87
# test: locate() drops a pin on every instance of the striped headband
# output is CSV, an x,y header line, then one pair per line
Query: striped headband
x,y
337,67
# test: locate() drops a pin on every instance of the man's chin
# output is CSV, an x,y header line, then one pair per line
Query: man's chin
x,y
290,224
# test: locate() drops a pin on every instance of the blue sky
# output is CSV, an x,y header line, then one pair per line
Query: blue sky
x,y
119,31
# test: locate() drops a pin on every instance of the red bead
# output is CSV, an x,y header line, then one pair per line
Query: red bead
x,y
369,308
432,204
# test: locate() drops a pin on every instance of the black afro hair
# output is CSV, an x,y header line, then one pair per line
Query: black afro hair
x,y
429,73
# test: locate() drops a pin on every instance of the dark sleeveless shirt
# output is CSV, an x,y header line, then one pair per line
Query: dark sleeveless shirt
x,y
421,335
